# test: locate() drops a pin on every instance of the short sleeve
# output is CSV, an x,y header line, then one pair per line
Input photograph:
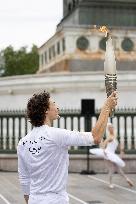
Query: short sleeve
x,y
63,137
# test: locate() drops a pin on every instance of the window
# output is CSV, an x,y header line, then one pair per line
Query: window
x,y
63,44
74,3
58,48
102,44
49,53
45,57
82,43
53,51
127,44
41,59
69,7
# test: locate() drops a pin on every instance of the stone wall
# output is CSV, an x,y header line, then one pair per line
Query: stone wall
x,y
67,89
77,164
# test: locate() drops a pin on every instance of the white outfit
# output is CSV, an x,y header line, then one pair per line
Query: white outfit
x,y
109,153
43,162
113,161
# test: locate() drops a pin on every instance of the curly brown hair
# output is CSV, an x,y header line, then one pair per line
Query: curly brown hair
x,y
36,108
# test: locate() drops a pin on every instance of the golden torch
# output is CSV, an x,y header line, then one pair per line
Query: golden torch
x,y
109,66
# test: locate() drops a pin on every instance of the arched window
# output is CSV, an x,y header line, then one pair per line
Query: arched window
x,y
127,44
63,44
82,43
74,3
58,48
69,6
102,44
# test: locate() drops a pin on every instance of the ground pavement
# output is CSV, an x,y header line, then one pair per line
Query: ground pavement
x,y
82,189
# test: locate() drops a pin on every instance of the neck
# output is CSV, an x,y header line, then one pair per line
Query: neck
x,y
47,122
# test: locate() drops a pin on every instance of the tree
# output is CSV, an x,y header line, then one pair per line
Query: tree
x,y
20,62
2,64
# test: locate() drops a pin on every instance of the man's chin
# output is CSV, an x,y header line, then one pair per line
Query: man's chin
x,y
57,117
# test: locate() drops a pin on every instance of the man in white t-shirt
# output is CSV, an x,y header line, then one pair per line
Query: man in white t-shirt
x,y
43,153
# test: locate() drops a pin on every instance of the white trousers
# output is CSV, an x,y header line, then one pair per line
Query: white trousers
x,y
48,199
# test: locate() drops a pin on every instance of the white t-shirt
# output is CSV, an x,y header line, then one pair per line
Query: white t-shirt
x,y
43,161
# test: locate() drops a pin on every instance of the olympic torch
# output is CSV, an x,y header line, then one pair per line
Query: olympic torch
x,y
109,66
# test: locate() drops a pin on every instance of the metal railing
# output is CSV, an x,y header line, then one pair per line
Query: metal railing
x,y
14,126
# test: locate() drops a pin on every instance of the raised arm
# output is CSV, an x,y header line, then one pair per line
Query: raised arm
x,y
104,143
101,123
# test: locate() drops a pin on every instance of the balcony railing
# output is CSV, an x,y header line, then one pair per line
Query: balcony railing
x,y
14,126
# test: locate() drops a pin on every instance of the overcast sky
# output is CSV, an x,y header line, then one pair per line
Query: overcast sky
x,y
27,22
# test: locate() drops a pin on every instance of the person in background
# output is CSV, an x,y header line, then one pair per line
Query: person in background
x,y
113,161
43,153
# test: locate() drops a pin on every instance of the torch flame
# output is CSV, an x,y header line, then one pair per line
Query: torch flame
x,y
104,29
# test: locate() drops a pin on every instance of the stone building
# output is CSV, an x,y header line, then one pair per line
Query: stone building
x,y
71,61
78,46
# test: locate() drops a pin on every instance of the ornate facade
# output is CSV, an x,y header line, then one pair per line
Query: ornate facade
x,y
78,46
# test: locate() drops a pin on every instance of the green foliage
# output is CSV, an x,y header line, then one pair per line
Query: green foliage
x,y
20,62
2,64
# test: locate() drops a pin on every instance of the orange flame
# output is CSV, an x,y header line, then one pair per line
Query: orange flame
x,y
104,29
